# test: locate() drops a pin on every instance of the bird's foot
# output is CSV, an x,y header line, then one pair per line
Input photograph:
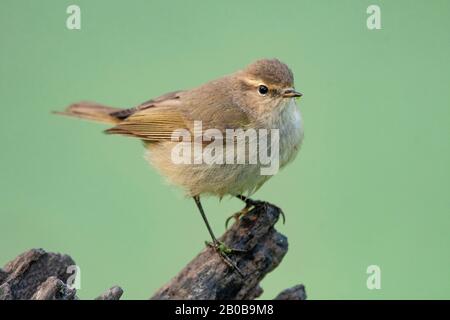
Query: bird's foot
x,y
236,216
251,204
224,252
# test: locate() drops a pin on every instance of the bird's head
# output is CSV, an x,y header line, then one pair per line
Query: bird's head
x,y
266,84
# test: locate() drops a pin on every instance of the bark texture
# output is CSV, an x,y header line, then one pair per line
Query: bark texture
x,y
40,275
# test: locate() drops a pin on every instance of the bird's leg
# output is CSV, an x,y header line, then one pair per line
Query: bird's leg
x,y
222,249
249,205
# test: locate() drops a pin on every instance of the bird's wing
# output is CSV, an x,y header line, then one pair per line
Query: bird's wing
x,y
125,113
157,119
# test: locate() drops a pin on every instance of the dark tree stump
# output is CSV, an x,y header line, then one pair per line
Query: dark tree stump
x,y
208,277
41,275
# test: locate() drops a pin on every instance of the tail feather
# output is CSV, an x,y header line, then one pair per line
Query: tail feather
x,y
91,111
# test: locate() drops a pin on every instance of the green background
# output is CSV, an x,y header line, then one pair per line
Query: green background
x,y
370,186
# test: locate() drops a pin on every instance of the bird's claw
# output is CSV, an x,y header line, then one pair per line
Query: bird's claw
x,y
238,215
251,204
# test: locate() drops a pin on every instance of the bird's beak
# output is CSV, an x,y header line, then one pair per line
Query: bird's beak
x,y
291,93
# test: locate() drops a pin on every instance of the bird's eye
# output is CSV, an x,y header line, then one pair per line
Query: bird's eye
x,y
262,89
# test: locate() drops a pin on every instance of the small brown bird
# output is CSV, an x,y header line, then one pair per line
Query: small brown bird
x,y
259,99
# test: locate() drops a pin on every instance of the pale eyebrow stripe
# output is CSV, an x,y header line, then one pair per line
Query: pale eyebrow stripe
x,y
253,82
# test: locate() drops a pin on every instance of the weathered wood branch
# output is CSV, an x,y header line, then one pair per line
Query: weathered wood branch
x,y
26,276
208,277
295,293
40,275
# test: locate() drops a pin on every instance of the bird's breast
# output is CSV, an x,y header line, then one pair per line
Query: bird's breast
x,y
288,120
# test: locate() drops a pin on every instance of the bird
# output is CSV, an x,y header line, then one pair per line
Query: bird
x,y
260,97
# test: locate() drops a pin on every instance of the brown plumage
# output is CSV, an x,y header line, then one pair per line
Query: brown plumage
x,y
157,118
271,72
229,102
91,111
261,96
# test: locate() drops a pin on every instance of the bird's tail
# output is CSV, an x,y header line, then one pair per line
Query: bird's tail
x,y
92,111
